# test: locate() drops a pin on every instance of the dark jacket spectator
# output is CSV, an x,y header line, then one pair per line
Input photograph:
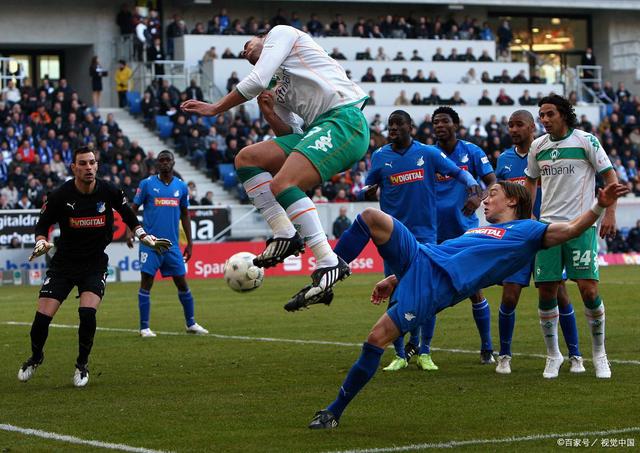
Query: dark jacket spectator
x,y
341,224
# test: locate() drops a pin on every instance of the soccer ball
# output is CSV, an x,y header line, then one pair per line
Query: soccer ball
x,y
240,273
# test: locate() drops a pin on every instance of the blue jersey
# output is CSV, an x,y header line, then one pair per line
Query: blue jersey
x,y
407,182
452,196
511,167
162,205
485,256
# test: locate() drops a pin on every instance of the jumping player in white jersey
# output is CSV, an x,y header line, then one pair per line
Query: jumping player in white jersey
x,y
566,161
276,173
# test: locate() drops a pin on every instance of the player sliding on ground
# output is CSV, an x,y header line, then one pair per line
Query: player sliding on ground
x,y
429,278
313,86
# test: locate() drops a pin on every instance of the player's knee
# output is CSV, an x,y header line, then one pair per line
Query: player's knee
x,y
370,216
245,158
588,290
548,292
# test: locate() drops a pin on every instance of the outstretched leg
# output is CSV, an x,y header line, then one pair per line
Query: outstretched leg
x,y
383,333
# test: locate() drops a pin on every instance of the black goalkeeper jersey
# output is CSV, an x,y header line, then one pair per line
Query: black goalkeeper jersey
x,y
86,224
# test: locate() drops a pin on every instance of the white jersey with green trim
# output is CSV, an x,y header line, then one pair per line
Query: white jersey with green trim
x,y
567,168
309,82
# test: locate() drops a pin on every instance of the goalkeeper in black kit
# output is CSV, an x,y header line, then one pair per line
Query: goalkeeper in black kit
x,y
83,209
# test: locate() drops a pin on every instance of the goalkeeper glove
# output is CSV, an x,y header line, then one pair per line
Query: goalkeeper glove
x,y
158,244
41,247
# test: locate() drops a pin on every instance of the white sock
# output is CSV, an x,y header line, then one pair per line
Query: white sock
x,y
258,190
304,216
549,325
595,319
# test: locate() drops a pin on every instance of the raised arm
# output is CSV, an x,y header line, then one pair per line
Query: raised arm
x,y
557,233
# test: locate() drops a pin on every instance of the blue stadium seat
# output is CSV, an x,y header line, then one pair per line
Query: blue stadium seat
x,y
134,101
164,125
228,175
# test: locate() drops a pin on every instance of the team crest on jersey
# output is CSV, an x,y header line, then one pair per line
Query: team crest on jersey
x,y
420,162
406,177
465,158
554,154
176,193
492,232
100,207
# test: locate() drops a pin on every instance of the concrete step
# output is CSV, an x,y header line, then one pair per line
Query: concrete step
x,y
135,130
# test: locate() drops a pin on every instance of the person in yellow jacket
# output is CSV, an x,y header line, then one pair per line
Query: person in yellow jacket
x,y
123,79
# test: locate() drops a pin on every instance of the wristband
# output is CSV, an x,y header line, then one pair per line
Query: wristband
x,y
597,209
140,233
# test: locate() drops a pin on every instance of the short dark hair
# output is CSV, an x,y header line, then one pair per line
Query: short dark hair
x,y
564,108
166,151
522,197
524,113
81,150
405,116
447,111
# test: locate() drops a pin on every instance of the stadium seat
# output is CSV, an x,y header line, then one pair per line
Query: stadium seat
x,y
134,102
164,125
228,175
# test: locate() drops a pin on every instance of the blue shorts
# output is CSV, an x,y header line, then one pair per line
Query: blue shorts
x,y
523,276
420,283
170,263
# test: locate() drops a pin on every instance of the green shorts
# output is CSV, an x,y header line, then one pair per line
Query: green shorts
x,y
333,143
578,256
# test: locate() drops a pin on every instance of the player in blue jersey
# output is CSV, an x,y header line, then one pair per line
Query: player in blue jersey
x,y
429,278
452,222
511,166
165,199
405,172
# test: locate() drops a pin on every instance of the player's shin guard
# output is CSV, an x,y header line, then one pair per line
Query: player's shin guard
x,y
426,335
506,324
361,372
304,216
144,306
86,332
257,184
594,311
482,317
548,312
353,240
39,334
569,329
186,299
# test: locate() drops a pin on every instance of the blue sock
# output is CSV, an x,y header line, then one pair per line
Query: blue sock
x,y
186,299
360,373
569,329
414,336
144,305
398,345
353,240
482,316
426,334
506,323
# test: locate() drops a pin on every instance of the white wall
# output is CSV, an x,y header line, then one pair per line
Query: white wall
x,y
191,48
386,93
447,72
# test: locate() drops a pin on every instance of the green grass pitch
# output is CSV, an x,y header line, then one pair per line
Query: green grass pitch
x,y
214,393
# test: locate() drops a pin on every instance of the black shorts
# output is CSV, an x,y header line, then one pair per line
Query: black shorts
x,y
57,285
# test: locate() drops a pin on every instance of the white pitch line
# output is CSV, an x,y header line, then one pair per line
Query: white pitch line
x,y
504,440
75,440
295,341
